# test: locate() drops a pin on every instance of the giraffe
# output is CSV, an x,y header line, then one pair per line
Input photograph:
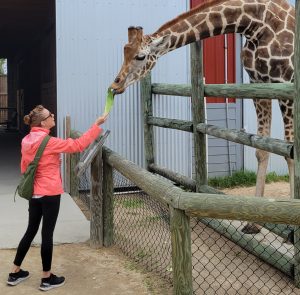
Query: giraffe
x,y
268,27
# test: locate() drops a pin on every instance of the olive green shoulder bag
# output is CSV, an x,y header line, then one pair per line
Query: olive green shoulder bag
x,y
25,187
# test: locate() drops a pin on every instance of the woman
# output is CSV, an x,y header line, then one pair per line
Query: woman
x,y
48,188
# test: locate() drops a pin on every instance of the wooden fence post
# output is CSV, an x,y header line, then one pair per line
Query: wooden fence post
x,y
198,115
297,143
96,223
74,159
181,252
146,95
108,208
67,156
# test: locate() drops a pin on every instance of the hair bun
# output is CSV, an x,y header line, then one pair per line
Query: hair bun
x,y
27,119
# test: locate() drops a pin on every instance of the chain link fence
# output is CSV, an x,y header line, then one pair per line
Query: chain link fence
x,y
225,260
142,228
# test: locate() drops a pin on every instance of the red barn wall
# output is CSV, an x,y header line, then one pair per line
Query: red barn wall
x,y
214,59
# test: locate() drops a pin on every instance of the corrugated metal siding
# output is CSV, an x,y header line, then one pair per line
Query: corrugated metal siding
x,y
90,40
173,147
223,156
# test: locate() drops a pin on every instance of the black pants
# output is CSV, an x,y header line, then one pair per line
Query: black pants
x,y
48,208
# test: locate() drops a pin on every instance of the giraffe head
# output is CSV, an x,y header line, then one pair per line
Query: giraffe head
x,y
140,56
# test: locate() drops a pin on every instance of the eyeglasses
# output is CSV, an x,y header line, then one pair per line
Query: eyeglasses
x,y
50,115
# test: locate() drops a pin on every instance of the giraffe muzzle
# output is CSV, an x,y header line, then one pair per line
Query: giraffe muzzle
x,y
116,89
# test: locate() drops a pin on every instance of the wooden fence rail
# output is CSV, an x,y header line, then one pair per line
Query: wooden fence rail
x,y
275,146
284,91
204,204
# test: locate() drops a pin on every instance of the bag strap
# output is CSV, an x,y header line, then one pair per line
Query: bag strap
x,y
41,149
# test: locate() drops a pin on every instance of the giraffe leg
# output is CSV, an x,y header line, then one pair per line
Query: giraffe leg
x,y
263,159
290,238
264,116
286,108
291,167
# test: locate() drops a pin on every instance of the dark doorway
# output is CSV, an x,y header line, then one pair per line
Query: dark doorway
x,y
27,30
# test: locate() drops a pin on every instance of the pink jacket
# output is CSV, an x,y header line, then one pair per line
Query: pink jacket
x,y
48,179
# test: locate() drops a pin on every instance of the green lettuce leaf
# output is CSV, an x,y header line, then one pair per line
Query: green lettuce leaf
x,y
109,101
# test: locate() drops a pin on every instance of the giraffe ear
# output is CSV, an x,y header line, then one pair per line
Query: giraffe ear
x,y
160,41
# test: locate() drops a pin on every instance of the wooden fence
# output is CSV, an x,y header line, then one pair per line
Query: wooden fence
x,y
206,206
197,91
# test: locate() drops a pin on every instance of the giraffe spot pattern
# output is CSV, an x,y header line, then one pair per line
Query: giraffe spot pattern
x,y
274,22
232,14
281,14
196,19
290,24
261,66
255,11
283,4
278,67
265,36
236,3
243,24
247,57
251,46
263,52
180,28
203,30
216,19
230,28
180,40
285,37
288,74
191,36
252,28
275,48
173,40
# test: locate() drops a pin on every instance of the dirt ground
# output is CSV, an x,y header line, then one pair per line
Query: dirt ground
x,y
272,190
87,271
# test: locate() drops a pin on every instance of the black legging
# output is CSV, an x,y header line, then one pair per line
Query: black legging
x,y
48,208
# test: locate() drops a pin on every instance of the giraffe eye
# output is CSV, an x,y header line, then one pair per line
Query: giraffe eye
x,y
140,57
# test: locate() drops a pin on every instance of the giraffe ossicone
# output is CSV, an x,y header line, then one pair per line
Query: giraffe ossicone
x,y
268,27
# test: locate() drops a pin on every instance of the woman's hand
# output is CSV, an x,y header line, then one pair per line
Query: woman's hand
x,y
100,120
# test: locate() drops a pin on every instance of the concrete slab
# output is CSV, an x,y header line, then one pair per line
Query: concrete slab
x,y
72,226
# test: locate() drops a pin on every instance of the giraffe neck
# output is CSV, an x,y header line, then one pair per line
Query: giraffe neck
x,y
220,17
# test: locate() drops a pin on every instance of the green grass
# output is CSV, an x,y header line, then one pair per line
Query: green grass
x,y
243,178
